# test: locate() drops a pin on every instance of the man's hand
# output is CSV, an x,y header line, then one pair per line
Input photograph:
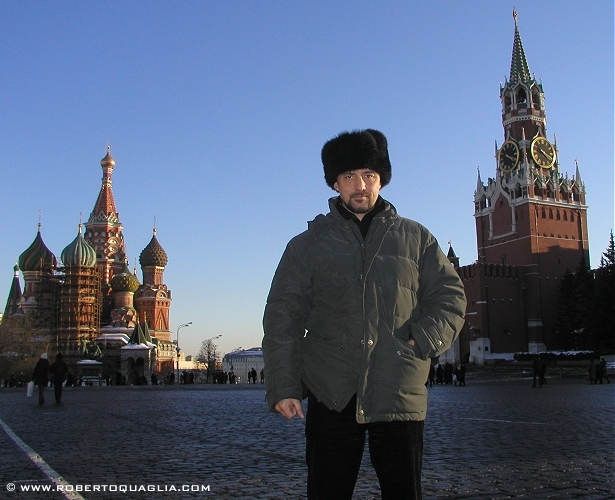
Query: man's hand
x,y
289,408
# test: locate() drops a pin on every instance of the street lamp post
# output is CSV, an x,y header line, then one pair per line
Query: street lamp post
x,y
177,345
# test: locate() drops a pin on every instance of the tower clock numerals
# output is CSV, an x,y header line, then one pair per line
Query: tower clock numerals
x,y
508,156
543,152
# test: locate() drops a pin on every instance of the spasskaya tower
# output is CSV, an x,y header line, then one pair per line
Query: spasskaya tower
x,y
531,215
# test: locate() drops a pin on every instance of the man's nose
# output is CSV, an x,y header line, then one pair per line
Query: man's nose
x,y
359,183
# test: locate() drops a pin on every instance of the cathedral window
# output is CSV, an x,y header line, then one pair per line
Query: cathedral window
x,y
565,215
544,213
571,216
557,215
507,102
550,213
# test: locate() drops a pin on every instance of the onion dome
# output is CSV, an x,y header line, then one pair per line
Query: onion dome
x,y
153,254
79,253
125,281
37,255
108,160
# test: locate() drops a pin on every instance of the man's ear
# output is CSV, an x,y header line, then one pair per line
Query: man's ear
x,y
336,187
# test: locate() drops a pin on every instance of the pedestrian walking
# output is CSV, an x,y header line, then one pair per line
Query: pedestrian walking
x,y
602,370
59,369
41,377
543,372
359,305
461,374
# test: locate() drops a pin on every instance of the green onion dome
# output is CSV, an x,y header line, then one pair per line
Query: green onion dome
x,y
153,254
37,255
79,253
125,281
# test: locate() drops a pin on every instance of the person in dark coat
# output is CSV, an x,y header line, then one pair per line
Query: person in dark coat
x,y
543,372
59,369
41,377
601,368
536,369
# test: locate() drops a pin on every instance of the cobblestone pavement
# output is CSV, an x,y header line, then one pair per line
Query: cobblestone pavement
x,y
489,440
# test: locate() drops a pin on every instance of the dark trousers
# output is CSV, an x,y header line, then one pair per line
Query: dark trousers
x,y
334,449
57,391
41,394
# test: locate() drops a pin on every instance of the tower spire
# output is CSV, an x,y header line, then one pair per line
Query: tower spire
x,y
104,208
519,69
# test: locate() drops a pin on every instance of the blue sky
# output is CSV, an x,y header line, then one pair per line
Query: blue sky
x,y
216,113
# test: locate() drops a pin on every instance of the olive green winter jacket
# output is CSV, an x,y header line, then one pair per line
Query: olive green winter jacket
x,y
342,310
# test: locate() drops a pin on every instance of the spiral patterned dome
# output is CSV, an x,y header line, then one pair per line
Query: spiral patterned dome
x,y
153,254
36,256
79,253
125,281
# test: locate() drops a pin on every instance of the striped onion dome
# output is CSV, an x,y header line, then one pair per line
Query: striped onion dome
x,y
153,254
125,281
37,255
79,253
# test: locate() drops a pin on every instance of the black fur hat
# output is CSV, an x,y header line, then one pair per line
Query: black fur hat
x,y
355,150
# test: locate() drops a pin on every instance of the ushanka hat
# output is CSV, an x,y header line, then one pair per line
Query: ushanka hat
x,y
354,150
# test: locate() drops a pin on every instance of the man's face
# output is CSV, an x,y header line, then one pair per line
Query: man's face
x,y
359,190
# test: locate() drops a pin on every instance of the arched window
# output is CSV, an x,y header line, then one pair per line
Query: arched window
x,y
521,96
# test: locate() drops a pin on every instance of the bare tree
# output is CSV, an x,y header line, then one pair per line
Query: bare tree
x,y
208,354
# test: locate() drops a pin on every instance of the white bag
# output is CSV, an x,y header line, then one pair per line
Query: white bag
x,y
30,389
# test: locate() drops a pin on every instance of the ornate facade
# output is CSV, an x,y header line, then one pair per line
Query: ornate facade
x,y
91,306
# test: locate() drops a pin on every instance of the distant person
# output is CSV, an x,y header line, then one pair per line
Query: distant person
x,y
41,377
448,373
536,371
262,376
461,374
253,375
602,370
439,374
543,372
59,369
431,378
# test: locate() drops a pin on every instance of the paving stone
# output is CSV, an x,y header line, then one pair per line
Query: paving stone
x,y
491,439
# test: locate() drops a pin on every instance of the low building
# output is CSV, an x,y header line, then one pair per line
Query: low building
x,y
240,362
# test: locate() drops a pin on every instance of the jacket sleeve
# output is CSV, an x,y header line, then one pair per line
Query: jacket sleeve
x,y
441,302
286,312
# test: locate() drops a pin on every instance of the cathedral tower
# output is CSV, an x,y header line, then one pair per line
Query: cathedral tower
x,y
104,233
79,300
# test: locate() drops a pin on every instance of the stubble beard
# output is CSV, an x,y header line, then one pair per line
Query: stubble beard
x,y
360,207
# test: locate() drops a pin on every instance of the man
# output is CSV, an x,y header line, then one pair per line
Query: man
x,y
59,369
41,377
359,305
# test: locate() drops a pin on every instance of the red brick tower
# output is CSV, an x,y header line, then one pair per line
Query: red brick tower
x,y
104,233
530,215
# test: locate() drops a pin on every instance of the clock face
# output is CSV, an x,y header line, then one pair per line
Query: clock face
x,y
508,156
543,152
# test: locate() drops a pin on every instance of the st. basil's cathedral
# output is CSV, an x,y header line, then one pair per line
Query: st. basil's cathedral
x,y
90,306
